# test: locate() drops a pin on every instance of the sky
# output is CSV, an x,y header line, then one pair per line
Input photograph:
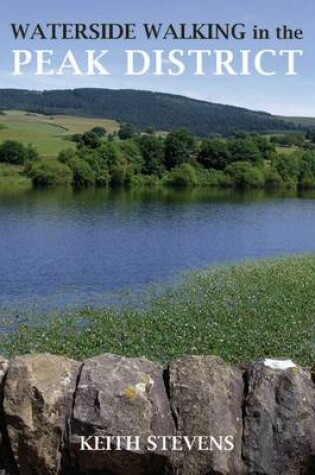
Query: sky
x,y
278,94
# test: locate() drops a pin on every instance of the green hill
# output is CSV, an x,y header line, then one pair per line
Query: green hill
x,y
307,122
144,109
50,134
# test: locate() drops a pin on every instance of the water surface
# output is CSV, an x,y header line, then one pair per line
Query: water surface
x,y
63,247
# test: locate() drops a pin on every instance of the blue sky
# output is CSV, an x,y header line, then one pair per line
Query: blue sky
x,y
288,95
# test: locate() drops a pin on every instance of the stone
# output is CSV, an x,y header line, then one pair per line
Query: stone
x,y
119,397
279,423
258,419
4,455
206,398
38,399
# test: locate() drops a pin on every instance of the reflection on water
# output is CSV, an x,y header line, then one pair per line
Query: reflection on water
x,y
66,247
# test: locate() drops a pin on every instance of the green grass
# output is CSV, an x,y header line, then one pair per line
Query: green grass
x,y
11,177
49,134
287,150
239,312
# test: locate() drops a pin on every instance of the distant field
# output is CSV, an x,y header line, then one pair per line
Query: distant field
x,y
286,150
304,121
50,134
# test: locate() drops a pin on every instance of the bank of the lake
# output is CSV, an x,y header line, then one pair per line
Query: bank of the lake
x,y
239,312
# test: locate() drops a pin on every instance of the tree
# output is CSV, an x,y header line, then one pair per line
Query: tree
x,y
214,153
264,145
288,167
126,131
99,131
97,161
244,149
306,177
310,135
150,131
50,173
65,156
130,151
152,151
180,145
83,175
90,140
31,153
13,152
245,175
182,176
112,161
76,138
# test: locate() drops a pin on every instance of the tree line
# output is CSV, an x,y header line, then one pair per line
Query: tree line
x,y
179,158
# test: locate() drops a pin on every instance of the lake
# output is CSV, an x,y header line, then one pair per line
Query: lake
x,y
59,247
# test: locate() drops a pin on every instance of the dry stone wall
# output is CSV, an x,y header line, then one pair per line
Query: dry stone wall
x,y
112,415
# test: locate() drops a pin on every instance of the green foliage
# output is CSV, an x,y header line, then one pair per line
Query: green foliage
x,y
310,135
178,160
307,171
245,175
150,131
151,181
307,181
126,131
82,174
50,173
117,161
109,152
129,150
182,176
288,139
31,156
272,178
13,152
180,145
99,131
77,138
120,174
65,156
243,312
210,177
287,166
214,153
152,151
31,153
90,140
245,148
265,146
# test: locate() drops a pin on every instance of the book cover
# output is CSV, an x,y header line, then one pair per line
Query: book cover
x,y
157,277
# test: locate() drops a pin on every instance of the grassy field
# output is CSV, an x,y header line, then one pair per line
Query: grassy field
x,y
50,134
286,150
239,312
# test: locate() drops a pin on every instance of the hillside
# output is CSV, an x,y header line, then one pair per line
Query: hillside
x,y
50,134
144,109
308,122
